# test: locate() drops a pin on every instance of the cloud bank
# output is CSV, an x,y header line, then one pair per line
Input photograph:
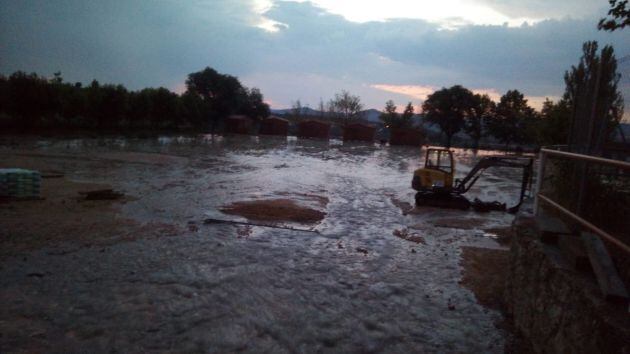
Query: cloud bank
x,y
297,50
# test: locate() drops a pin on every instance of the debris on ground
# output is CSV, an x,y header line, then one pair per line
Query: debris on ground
x,y
102,194
406,235
243,231
362,250
484,207
405,207
249,224
274,210
19,183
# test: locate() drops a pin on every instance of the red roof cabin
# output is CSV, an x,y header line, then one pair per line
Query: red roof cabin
x,y
236,124
402,136
274,126
358,132
313,129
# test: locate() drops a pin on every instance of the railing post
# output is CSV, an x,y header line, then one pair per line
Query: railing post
x,y
539,178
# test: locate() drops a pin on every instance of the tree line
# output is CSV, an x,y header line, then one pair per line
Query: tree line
x,y
29,102
591,90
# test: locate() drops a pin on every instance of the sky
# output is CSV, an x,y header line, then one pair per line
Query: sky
x,y
309,50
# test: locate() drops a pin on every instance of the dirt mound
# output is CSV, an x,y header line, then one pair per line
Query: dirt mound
x,y
274,210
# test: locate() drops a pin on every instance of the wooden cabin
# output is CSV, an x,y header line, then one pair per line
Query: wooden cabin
x,y
274,126
358,132
237,124
406,136
313,129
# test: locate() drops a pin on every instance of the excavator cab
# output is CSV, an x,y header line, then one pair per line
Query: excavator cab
x,y
438,171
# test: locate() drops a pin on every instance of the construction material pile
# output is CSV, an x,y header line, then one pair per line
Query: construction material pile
x,y
19,183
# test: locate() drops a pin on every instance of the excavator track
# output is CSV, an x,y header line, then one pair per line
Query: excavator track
x,y
439,200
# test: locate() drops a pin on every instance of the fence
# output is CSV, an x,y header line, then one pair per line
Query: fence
x,y
590,193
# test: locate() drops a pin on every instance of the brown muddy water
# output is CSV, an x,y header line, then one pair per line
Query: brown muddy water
x,y
146,274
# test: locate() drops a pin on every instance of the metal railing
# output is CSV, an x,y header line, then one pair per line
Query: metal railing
x,y
575,216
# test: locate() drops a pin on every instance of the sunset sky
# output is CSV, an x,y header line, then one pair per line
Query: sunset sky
x,y
379,50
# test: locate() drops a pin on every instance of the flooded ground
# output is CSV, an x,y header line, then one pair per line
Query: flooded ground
x,y
145,273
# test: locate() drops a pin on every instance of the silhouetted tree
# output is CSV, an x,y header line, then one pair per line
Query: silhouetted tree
x,y
297,109
255,106
592,93
389,116
448,108
407,114
619,16
553,127
221,93
346,106
482,110
392,119
512,119
29,101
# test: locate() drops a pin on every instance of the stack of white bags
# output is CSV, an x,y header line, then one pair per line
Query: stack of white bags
x,y
19,183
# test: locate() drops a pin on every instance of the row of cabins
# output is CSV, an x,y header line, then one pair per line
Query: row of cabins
x,y
320,130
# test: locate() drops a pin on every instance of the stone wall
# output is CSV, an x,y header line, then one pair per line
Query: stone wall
x,y
558,309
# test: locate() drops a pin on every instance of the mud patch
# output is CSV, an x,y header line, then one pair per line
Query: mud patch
x,y
63,216
459,223
485,272
274,210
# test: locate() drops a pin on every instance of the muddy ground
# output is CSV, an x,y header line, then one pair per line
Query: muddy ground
x,y
369,273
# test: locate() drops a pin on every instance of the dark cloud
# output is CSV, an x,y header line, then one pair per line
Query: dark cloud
x,y
314,54
539,9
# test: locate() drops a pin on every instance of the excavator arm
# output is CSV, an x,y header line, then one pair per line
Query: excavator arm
x,y
463,185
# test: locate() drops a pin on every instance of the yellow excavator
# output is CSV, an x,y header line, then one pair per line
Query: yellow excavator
x,y
437,186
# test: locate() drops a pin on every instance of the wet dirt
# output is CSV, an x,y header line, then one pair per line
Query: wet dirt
x,y
274,210
146,274
503,235
485,273
463,223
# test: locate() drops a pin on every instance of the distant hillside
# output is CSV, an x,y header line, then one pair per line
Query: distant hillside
x,y
306,111
370,115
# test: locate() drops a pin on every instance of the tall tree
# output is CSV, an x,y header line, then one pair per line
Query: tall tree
x,y
223,94
346,106
389,116
254,105
592,93
482,110
511,119
619,16
296,109
407,114
448,108
554,124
